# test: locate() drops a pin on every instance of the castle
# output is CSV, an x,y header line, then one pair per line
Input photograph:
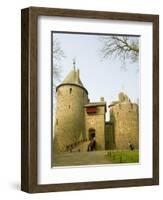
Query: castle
x,y
78,120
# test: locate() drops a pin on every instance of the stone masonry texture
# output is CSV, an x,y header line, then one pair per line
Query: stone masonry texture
x,y
73,123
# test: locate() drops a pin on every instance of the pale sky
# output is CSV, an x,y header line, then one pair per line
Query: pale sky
x,y
102,78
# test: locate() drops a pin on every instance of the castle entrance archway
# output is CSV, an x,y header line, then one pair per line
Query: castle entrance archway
x,y
92,133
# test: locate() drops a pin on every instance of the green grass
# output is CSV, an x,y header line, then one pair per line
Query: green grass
x,y
123,156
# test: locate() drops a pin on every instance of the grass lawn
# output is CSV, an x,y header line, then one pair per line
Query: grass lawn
x,y
125,156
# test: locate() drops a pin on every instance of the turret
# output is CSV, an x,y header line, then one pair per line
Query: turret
x,y
71,96
124,115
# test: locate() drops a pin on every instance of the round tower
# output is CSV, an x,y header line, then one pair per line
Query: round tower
x,y
125,116
71,96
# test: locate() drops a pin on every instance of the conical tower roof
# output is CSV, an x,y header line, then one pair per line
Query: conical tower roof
x,y
73,78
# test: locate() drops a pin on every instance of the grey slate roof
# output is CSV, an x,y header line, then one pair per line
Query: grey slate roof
x,y
73,78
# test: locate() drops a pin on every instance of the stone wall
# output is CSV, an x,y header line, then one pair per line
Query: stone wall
x,y
96,121
70,118
109,136
73,123
124,115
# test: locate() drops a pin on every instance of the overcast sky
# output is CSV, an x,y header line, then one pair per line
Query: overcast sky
x,y
102,78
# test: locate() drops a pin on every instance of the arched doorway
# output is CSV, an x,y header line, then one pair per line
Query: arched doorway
x,y
92,133
92,140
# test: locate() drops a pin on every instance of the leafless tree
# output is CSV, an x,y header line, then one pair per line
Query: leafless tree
x,y
58,55
124,47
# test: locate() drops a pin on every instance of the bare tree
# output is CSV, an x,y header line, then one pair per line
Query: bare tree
x,y
58,55
124,47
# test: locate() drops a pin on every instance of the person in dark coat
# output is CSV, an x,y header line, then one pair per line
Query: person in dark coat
x,y
92,145
131,146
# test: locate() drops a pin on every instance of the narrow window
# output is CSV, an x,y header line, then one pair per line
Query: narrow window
x,y
69,106
70,90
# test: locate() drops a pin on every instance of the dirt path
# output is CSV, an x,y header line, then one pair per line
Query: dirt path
x,y
81,158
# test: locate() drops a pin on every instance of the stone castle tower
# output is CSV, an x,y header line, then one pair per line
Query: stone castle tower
x,y
95,122
78,120
124,123
71,96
